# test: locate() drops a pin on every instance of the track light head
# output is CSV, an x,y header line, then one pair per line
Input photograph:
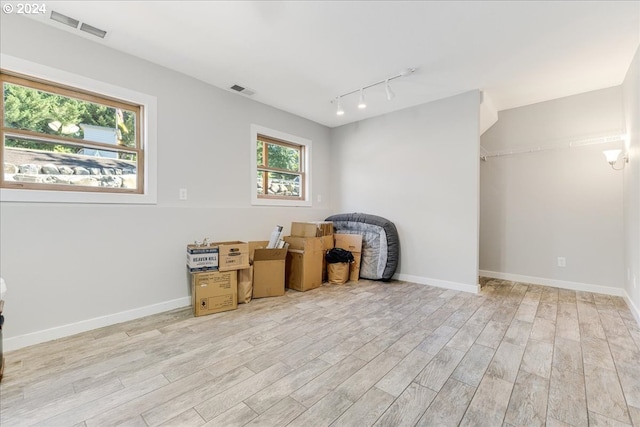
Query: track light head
x,y
387,88
339,110
361,102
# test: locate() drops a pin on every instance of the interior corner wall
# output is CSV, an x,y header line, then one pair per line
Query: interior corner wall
x,y
631,102
556,202
418,168
73,267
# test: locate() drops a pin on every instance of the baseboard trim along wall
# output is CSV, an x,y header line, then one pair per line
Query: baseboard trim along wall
x,y
574,286
634,310
474,289
33,338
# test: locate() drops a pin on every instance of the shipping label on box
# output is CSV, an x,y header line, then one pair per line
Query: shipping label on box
x,y
202,258
214,292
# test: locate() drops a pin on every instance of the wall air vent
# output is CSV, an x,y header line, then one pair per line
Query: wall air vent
x,y
242,90
93,30
73,23
63,19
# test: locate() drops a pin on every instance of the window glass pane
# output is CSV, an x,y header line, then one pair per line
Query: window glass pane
x,y
261,178
260,153
284,184
282,157
42,162
43,112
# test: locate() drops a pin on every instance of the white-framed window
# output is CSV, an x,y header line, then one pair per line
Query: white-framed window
x,y
68,138
280,168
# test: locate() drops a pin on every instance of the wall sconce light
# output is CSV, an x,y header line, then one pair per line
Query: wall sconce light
x,y
612,158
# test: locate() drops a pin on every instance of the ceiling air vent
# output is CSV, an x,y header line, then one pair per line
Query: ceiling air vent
x,y
242,90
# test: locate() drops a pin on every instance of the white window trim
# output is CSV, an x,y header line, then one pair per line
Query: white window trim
x,y
255,200
148,141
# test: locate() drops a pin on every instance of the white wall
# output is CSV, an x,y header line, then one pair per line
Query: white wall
x,y
67,266
631,97
564,202
418,168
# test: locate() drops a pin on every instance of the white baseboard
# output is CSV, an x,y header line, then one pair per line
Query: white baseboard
x,y
574,286
474,289
634,309
25,340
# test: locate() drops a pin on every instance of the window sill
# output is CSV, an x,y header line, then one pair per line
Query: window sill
x,y
280,202
42,196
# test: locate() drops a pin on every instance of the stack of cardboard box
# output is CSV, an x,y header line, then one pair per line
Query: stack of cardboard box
x,y
305,260
220,270
214,275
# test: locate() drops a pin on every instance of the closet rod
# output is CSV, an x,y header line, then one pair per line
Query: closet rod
x,y
572,144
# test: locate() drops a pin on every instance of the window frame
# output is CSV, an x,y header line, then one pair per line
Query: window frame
x,y
86,89
287,140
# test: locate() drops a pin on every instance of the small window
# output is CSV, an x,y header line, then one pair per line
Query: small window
x,y
281,172
57,138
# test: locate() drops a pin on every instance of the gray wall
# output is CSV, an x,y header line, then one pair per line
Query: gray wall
x,y
563,202
418,168
631,97
69,265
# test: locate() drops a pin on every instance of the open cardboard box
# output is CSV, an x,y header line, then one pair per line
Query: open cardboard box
x,y
304,262
268,270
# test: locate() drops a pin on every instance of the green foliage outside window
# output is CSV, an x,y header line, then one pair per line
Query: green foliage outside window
x,y
51,114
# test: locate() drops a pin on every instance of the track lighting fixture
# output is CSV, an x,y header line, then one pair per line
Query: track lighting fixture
x,y
361,101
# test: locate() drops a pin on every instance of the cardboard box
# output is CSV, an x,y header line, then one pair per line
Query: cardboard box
x,y
327,243
304,263
352,243
268,270
312,229
245,285
214,292
202,258
232,255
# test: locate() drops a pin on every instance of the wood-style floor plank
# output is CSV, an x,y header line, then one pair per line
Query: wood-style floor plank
x,y
408,407
359,354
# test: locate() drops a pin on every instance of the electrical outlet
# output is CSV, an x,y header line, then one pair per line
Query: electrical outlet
x,y
182,195
562,261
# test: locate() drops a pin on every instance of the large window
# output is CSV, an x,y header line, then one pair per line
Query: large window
x,y
281,168
58,138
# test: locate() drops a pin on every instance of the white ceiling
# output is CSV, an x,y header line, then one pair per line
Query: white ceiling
x,y
299,55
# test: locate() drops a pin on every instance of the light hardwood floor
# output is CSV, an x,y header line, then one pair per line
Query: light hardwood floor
x,y
383,354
